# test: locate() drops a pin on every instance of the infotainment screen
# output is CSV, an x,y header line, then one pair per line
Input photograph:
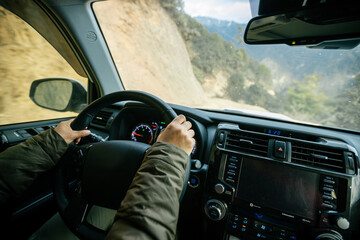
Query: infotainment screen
x,y
279,187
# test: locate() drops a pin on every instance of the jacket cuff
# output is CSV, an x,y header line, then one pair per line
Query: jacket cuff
x,y
169,153
52,143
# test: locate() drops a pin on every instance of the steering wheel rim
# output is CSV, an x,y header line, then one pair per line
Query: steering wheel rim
x,y
74,208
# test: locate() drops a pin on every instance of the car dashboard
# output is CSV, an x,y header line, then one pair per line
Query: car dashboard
x,y
251,178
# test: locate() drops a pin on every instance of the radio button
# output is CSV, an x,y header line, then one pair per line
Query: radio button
x,y
232,166
329,181
329,178
233,159
327,197
328,189
229,180
327,206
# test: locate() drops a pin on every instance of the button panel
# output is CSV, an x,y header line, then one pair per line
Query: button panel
x,y
253,229
329,192
231,173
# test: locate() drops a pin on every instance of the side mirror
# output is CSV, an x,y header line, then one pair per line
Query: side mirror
x,y
59,94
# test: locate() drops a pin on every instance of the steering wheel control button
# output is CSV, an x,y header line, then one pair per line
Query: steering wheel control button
x,y
219,188
215,209
193,181
280,149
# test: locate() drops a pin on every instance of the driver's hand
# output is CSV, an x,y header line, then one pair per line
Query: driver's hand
x,y
69,135
179,133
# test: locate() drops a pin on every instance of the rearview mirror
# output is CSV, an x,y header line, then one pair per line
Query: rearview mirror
x,y
308,26
59,94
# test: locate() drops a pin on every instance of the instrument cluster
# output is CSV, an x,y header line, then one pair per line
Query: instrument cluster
x,y
147,132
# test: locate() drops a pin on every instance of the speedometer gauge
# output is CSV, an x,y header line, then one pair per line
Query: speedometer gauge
x,y
142,133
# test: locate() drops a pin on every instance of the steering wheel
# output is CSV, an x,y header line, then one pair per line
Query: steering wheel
x,y
105,169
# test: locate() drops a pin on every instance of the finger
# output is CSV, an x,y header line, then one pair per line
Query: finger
x,y
191,133
193,142
179,119
187,125
77,140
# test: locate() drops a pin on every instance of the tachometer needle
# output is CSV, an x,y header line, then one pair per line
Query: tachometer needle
x,y
136,134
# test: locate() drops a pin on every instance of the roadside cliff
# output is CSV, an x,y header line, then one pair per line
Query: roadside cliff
x,y
148,50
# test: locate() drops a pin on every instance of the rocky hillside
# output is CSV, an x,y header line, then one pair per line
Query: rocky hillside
x,y
144,40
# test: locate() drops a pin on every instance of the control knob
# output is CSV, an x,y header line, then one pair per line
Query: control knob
x,y
342,222
215,209
219,188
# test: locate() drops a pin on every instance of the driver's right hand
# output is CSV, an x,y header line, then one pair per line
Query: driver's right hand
x,y
179,133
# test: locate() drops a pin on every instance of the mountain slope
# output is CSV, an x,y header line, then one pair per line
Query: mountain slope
x,y
291,62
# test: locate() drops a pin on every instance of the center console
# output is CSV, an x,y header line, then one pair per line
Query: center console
x,y
256,190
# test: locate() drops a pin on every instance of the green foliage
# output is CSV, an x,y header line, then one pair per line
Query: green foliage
x,y
347,110
210,52
305,101
235,87
256,94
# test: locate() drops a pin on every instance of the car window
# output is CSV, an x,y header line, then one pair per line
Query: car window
x,y
192,53
26,56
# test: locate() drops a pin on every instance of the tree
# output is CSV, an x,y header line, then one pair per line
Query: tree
x,y
347,110
305,101
235,87
238,36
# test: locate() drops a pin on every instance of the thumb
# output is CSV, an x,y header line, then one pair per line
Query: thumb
x,y
82,133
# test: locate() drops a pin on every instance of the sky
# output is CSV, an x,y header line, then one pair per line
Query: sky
x,y
232,10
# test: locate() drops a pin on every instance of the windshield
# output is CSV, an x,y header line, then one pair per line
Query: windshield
x,y
192,53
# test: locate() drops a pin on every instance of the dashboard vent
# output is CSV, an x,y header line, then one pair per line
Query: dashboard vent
x,y
248,142
101,118
317,156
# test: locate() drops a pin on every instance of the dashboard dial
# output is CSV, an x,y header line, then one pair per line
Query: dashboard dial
x,y
142,133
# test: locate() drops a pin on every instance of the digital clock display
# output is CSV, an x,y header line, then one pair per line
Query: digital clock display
x,y
273,132
276,132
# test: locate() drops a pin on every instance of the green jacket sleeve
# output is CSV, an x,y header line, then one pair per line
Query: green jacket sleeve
x,y
21,164
151,206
